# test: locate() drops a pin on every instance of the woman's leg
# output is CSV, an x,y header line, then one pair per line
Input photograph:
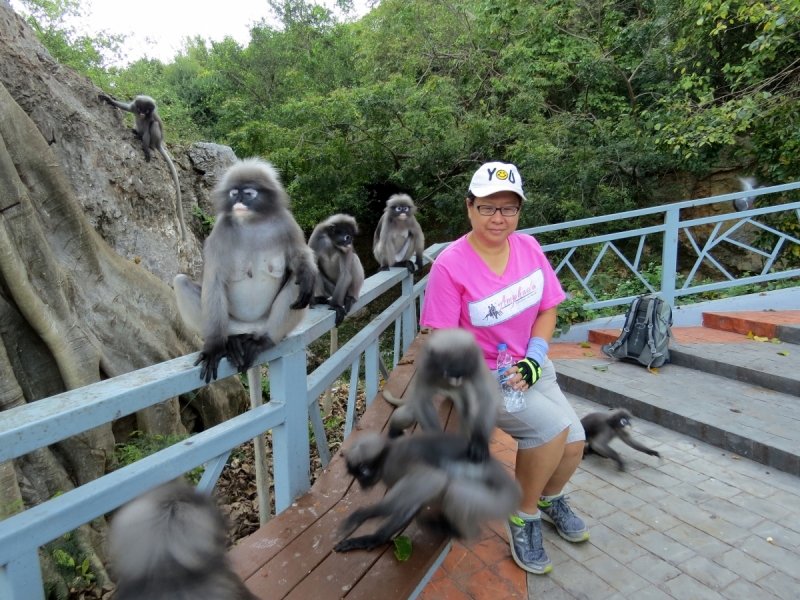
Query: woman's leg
x,y
537,468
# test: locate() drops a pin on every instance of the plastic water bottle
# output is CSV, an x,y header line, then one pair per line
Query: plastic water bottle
x,y
514,400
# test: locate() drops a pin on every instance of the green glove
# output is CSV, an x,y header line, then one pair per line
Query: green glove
x,y
529,369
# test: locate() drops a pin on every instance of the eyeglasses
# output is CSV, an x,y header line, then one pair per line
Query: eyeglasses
x,y
487,210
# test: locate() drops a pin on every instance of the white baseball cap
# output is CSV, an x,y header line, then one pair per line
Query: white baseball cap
x,y
496,177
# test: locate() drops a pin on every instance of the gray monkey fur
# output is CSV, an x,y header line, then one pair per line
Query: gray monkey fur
x,y
429,475
340,272
602,427
149,126
258,272
170,544
398,235
451,363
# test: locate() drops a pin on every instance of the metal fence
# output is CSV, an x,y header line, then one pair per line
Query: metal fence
x,y
693,240
293,402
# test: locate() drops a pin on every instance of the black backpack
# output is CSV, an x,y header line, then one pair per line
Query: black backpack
x,y
645,336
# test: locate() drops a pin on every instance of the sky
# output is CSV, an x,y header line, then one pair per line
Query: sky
x,y
174,21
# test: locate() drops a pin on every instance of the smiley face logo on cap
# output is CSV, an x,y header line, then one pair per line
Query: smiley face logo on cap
x,y
501,174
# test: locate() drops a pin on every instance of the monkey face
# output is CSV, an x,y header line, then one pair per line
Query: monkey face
x,y
623,423
341,235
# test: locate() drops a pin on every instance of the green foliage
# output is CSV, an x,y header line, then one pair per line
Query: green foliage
x,y
206,221
144,444
90,55
71,563
595,101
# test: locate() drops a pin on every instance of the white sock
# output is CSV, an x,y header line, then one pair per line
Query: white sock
x,y
527,517
550,498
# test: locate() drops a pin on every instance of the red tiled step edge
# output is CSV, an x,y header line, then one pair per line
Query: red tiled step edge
x,y
761,323
683,335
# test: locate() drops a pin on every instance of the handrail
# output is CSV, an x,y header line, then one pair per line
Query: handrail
x,y
50,420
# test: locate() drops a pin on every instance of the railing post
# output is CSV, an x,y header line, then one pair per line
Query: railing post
x,y
371,361
21,579
669,256
260,448
290,440
409,314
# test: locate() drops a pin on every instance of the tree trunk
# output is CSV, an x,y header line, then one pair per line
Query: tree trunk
x,y
72,310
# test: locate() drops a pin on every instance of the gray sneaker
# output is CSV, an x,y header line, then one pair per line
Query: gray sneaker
x,y
525,539
569,525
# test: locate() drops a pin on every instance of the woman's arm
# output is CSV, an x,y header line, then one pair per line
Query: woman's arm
x,y
545,324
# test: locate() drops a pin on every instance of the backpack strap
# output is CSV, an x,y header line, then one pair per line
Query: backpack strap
x,y
654,353
626,329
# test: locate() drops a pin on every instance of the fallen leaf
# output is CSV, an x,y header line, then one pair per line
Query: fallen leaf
x,y
771,541
758,338
734,457
775,341
601,367
784,353
654,371
751,335
736,410
406,361
588,353
402,548
585,345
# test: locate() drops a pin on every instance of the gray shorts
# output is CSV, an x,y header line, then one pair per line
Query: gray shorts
x,y
547,414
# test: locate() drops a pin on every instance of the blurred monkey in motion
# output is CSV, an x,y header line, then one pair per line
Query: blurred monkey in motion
x,y
170,544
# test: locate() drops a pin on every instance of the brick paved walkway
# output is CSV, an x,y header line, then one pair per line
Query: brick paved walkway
x,y
699,522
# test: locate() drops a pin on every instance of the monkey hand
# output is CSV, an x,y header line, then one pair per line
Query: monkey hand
x,y
305,279
349,301
341,313
529,369
104,98
209,358
477,451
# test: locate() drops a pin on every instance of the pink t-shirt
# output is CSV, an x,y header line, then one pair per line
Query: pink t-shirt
x,y
463,292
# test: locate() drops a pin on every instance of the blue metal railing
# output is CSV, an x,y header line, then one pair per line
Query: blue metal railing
x,y
607,246
50,420
45,422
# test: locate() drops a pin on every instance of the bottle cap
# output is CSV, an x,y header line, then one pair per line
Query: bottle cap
x,y
501,347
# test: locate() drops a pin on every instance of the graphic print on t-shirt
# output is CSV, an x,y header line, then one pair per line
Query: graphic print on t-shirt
x,y
508,302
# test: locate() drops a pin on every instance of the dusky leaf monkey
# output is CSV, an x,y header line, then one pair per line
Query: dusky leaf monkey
x,y
427,474
170,544
258,272
451,363
150,128
340,272
601,428
398,236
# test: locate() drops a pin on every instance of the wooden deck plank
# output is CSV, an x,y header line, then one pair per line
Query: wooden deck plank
x,y
279,557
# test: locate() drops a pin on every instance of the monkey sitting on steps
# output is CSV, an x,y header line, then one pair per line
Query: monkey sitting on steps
x,y
602,428
431,475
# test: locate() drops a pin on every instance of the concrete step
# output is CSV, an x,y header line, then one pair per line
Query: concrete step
x,y
764,323
738,358
749,421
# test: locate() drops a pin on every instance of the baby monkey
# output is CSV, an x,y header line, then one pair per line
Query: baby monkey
x,y
602,428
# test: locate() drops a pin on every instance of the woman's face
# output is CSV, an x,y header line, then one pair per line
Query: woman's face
x,y
493,230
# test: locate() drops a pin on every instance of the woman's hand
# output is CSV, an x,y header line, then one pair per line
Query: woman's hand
x,y
516,381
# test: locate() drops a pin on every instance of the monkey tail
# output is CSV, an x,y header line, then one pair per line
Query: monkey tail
x,y
174,173
391,399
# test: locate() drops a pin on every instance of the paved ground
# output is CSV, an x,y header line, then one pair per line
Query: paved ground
x,y
696,523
